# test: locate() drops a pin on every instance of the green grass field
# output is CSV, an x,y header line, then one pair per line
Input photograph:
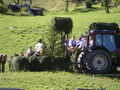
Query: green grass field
x,y
18,32
58,81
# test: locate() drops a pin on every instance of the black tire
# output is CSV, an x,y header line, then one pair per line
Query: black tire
x,y
98,61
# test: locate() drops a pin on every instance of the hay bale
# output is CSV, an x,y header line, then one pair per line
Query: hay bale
x,y
64,24
18,63
61,63
104,26
46,63
34,63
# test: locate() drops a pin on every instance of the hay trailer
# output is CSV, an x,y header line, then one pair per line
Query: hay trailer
x,y
101,53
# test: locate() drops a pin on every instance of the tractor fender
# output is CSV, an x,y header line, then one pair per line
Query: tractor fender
x,y
97,48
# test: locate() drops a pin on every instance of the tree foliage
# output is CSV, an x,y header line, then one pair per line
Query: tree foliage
x,y
1,2
61,27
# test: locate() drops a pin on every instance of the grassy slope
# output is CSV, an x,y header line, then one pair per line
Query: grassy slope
x,y
47,4
28,30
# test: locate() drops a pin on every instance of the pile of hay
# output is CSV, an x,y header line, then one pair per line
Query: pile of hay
x,y
18,63
34,63
64,24
104,26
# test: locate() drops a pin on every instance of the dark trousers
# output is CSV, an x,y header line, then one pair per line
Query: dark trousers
x,y
2,66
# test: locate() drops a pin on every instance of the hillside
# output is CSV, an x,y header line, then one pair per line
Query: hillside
x,y
50,5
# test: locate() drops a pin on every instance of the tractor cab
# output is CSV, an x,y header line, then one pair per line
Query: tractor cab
x,y
103,40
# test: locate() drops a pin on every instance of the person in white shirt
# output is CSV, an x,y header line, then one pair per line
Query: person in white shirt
x,y
72,44
39,48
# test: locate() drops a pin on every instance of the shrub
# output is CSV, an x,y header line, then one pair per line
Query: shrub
x,y
3,9
1,2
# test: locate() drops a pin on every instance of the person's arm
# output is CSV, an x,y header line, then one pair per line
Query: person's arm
x,y
69,44
80,45
42,46
36,46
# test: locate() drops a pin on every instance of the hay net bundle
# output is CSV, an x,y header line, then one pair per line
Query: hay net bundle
x,y
104,26
64,24
34,63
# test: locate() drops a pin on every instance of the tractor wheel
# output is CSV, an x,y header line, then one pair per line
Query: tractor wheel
x,y
98,61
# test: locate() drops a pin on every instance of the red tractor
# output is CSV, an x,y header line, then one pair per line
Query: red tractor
x,y
101,53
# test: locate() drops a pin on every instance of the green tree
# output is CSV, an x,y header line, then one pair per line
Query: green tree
x,y
61,28
30,2
66,5
107,6
1,2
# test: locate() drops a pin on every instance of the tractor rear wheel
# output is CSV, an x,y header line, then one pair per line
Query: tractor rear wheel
x,y
98,61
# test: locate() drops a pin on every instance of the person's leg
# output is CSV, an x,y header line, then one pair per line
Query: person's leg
x,y
0,67
77,52
3,67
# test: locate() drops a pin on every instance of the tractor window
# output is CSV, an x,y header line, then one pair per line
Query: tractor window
x,y
98,41
109,42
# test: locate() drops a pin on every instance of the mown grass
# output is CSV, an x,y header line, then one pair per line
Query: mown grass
x,y
18,32
58,81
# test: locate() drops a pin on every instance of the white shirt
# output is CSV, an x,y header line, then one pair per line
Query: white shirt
x,y
38,47
79,44
29,51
